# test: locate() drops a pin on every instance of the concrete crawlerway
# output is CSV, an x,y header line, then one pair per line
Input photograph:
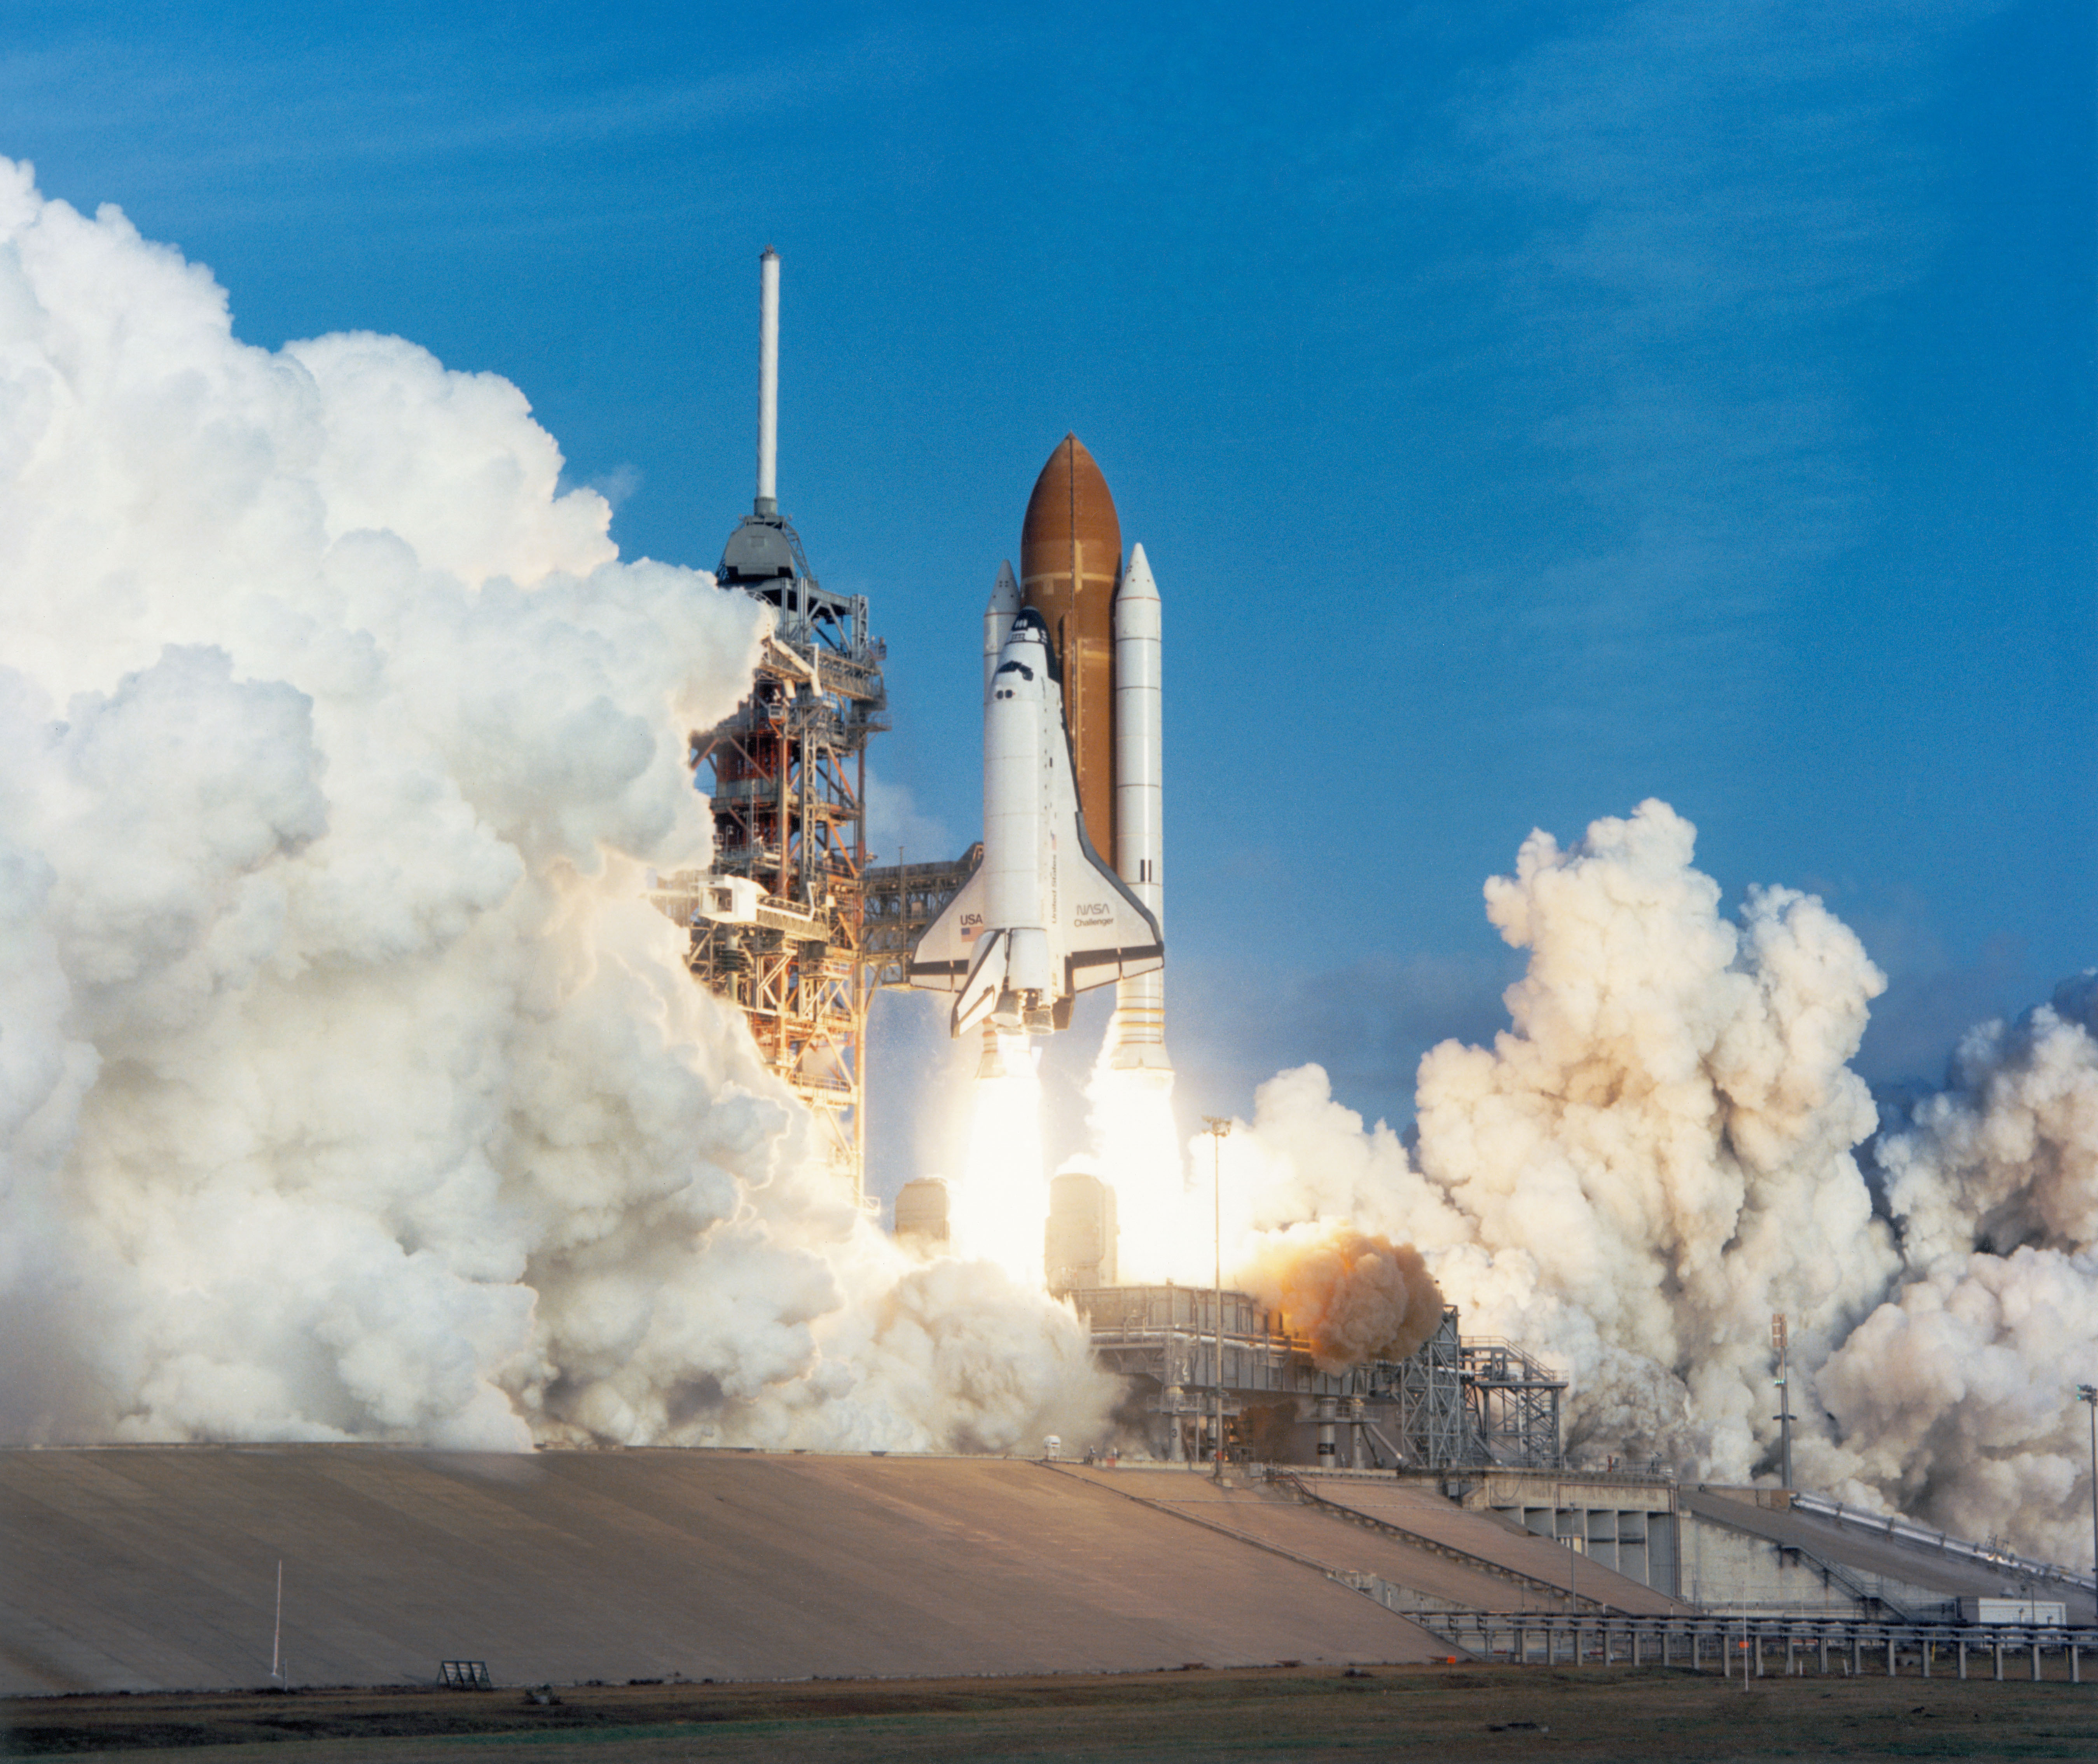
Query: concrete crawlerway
x,y
155,1568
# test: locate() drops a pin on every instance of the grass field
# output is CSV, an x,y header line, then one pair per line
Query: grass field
x,y
1413,1712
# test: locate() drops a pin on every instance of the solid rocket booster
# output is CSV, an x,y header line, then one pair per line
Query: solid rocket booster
x,y
1139,1018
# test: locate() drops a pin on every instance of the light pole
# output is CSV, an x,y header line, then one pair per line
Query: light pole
x,y
2088,1394
1217,1126
1784,1416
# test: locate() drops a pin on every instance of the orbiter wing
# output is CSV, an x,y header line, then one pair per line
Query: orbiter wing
x,y
1107,933
1101,933
948,948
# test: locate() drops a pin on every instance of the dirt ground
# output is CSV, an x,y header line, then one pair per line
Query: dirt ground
x,y
1436,1712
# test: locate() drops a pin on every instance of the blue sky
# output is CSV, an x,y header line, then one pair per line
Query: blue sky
x,y
1527,409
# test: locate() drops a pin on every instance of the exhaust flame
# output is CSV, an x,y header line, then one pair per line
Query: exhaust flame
x,y
1139,1153
999,1209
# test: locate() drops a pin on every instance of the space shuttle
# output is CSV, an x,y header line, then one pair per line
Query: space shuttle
x,y
1044,917
1071,755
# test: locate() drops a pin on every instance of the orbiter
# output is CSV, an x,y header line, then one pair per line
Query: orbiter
x,y
1072,755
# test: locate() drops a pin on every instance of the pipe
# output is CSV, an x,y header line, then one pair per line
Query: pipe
x,y
768,383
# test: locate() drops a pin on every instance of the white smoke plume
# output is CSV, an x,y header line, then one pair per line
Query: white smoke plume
x,y
347,1089
1956,1398
1662,1152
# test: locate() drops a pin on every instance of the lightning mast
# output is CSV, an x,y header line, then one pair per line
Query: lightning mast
x,y
778,925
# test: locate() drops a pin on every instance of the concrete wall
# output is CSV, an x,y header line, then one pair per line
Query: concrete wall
x,y
155,1568
1721,1567
1744,1572
1637,1542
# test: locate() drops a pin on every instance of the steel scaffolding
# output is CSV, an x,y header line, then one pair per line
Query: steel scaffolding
x,y
1455,1404
900,900
1428,1390
786,775
1513,1403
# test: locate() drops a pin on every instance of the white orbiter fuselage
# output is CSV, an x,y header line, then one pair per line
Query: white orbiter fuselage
x,y
1043,918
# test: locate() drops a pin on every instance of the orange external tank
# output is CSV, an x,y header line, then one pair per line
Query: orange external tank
x,y
1070,566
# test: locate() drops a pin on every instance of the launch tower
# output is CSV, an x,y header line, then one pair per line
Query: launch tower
x,y
778,925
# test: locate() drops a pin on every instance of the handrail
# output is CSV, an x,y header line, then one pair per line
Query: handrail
x,y
1845,1579
1490,1635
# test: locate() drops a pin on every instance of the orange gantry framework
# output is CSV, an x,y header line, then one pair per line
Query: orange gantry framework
x,y
778,924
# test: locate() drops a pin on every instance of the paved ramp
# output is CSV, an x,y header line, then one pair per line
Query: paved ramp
x,y
154,1568
1276,1517
1867,1550
1487,1536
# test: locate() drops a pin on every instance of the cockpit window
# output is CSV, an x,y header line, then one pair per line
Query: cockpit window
x,y
1019,668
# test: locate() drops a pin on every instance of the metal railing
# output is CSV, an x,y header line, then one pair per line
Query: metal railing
x,y
1757,1647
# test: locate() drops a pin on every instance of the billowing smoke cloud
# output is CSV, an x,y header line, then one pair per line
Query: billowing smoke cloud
x,y
1661,1154
1956,1398
1358,1298
347,1089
